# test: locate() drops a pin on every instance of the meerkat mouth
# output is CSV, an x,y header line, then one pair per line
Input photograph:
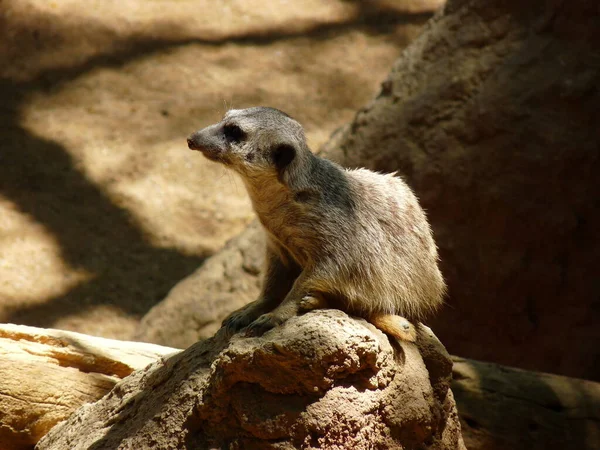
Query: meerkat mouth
x,y
192,145
213,156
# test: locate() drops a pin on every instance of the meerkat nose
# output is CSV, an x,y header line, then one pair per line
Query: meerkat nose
x,y
191,144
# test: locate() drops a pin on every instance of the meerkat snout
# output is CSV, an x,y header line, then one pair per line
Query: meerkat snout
x,y
191,144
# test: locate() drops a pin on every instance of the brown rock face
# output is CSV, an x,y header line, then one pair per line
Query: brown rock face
x,y
322,380
491,115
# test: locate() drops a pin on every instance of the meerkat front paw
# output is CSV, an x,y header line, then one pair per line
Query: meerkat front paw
x,y
263,324
241,318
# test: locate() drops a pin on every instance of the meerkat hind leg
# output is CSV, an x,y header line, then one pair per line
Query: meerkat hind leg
x,y
396,326
311,302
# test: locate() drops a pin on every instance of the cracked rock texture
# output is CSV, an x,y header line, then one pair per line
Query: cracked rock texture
x,y
321,380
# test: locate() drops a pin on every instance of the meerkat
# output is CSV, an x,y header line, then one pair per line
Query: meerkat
x,y
351,239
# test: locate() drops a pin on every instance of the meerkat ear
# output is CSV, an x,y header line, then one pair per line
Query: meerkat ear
x,y
283,155
286,159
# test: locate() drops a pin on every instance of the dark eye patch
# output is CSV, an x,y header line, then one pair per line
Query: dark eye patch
x,y
233,133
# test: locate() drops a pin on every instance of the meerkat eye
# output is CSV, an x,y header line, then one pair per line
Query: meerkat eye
x,y
233,133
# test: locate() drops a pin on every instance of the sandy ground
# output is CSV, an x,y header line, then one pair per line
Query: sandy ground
x,y
102,207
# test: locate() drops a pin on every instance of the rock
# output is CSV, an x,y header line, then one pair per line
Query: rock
x,y
47,374
196,306
321,380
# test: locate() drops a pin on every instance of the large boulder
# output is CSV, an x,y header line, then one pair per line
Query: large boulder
x,y
321,380
530,409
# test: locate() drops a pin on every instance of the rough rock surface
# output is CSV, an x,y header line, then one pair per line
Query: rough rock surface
x,y
45,375
321,380
491,116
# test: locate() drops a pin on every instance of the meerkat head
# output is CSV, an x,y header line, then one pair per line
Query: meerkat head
x,y
255,142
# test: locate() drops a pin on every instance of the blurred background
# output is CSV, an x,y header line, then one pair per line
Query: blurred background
x,y
102,206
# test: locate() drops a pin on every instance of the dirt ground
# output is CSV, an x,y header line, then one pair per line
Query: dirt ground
x,y
102,207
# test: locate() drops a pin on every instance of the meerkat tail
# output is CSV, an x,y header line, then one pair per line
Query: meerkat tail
x,y
396,326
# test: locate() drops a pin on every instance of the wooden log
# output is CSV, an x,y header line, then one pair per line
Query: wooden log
x,y
47,374
503,408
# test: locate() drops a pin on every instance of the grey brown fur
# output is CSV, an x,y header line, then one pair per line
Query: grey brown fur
x,y
353,239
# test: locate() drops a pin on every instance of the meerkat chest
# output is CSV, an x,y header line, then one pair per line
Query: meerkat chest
x,y
287,220
288,227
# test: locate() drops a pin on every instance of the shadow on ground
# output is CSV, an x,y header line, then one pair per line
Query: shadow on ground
x,y
95,234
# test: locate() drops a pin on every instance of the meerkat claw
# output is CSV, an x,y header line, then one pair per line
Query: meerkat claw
x,y
263,324
233,324
238,320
